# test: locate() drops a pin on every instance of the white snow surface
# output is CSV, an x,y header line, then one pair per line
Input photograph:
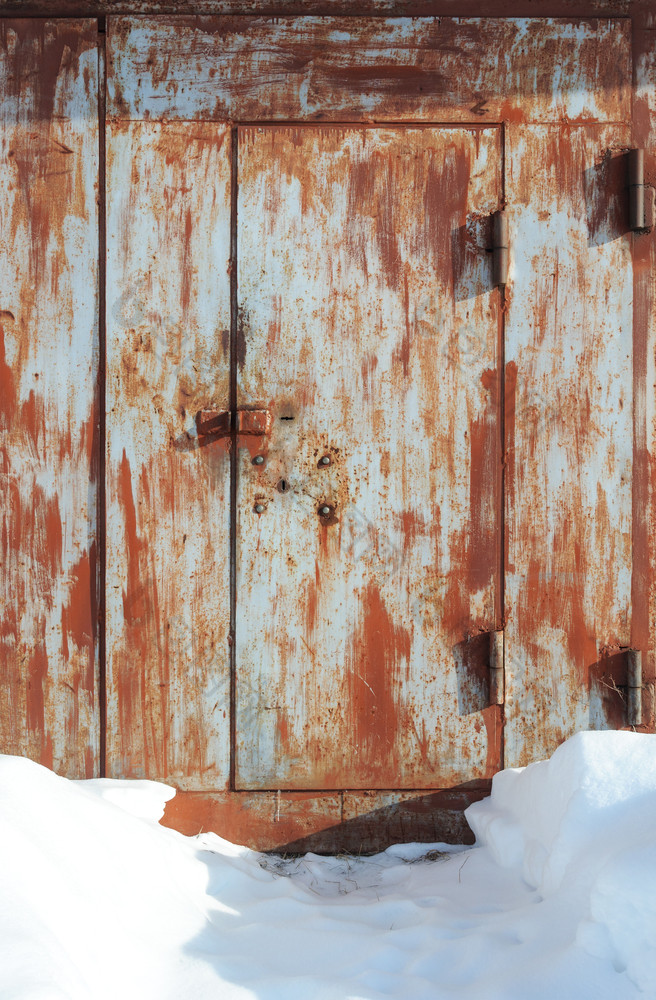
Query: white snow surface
x,y
556,900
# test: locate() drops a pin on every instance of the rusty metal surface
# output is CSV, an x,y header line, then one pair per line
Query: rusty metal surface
x,y
369,327
266,821
168,323
330,68
328,822
569,413
374,8
644,372
369,343
48,402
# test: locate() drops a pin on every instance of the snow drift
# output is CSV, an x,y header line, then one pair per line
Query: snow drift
x,y
583,824
557,898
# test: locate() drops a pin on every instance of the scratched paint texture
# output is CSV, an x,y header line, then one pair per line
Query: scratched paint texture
x,y
168,321
412,69
48,401
369,327
390,8
569,413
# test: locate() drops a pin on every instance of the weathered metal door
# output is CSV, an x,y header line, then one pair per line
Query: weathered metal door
x,y
322,262
336,457
368,536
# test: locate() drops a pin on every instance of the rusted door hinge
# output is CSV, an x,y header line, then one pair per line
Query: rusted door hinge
x,y
642,203
633,687
499,249
497,686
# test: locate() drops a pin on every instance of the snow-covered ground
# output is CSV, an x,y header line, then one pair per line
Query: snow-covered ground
x,y
557,899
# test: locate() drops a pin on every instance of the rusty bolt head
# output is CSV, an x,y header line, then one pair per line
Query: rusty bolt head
x,y
258,508
325,460
258,460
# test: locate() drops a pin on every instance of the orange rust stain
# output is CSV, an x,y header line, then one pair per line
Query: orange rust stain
x,y
446,190
512,111
53,530
7,385
282,732
374,659
33,419
402,351
492,718
413,526
134,596
510,404
79,616
455,618
367,368
36,674
311,601
129,681
263,820
483,498
187,269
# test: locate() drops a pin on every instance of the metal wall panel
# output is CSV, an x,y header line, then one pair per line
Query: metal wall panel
x,y
381,69
569,414
376,8
48,393
644,371
168,334
369,328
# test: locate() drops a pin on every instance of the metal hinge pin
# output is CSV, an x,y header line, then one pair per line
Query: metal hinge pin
x,y
634,688
500,253
636,189
497,691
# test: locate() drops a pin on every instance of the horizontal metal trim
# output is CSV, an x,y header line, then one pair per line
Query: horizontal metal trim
x,y
298,66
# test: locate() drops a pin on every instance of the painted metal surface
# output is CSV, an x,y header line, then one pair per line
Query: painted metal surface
x,y
168,332
48,393
644,372
569,413
381,69
366,314
376,8
370,328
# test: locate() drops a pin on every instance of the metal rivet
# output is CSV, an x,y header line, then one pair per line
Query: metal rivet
x,y
258,460
258,508
325,460
324,511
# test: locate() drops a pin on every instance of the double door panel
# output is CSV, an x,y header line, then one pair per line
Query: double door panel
x,y
337,277
368,328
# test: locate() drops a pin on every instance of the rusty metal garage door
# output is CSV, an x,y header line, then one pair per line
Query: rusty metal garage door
x,y
337,458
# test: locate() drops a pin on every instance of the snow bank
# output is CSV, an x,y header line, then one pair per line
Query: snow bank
x,y
557,899
85,887
583,825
